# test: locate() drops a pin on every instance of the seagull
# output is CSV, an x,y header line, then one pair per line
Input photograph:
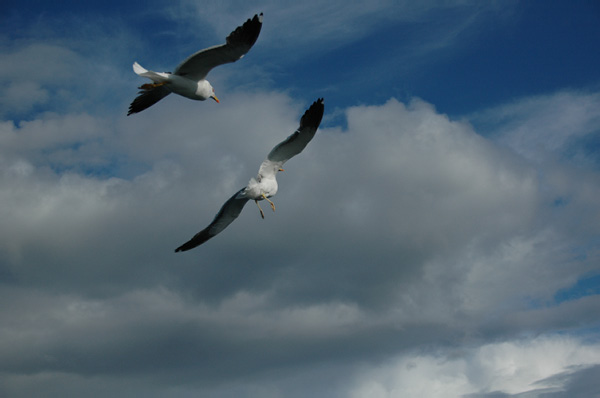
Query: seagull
x,y
189,78
265,184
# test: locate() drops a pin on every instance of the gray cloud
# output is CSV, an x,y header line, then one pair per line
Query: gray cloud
x,y
403,229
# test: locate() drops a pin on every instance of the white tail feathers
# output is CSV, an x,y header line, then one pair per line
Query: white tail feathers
x,y
137,68
156,77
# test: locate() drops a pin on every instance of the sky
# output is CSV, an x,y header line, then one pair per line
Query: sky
x,y
439,237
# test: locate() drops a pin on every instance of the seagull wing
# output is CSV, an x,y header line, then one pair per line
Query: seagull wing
x,y
147,98
295,143
229,212
238,43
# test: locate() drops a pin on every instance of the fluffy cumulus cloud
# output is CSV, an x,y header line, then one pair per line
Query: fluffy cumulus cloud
x,y
411,254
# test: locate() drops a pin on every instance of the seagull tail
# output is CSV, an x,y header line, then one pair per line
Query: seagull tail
x,y
154,76
139,69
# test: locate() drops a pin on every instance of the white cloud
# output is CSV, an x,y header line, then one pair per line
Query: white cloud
x,y
423,180
556,133
511,367
541,128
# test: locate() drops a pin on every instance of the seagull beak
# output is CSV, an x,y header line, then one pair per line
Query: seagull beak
x,y
215,98
281,169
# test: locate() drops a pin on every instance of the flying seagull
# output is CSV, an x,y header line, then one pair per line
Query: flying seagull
x,y
265,184
189,77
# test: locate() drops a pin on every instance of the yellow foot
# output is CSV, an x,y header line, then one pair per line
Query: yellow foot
x,y
150,86
271,203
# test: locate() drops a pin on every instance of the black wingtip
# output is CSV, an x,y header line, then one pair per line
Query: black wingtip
x,y
248,32
133,109
190,244
147,98
185,247
313,115
196,240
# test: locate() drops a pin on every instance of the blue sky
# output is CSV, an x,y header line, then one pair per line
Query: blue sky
x,y
439,236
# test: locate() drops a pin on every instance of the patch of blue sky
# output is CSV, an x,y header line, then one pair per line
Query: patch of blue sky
x,y
500,65
587,285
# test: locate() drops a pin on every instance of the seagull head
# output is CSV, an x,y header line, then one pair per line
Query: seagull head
x,y
213,96
205,91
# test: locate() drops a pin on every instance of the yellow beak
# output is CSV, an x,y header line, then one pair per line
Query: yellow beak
x,y
215,98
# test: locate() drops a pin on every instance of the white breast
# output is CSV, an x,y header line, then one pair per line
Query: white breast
x,y
190,88
256,188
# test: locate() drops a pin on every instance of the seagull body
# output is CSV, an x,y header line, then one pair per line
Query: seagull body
x,y
264,185
189,78
197,90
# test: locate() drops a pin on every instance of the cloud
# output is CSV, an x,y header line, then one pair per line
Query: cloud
x,y
557,133
401,230
547,126
29,73
534,367
412,185
21,97
57,141
45,70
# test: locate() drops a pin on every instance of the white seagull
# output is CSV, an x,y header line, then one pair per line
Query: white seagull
x,y
265,184
189,78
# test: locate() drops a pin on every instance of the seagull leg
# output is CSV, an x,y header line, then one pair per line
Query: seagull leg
x,y
150,86
261,212
271,203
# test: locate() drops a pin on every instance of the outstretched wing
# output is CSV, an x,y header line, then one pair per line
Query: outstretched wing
x,y
147,98
238,43
295,143
229,212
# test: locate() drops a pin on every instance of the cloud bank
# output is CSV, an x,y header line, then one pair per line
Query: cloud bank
x,y
402,230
